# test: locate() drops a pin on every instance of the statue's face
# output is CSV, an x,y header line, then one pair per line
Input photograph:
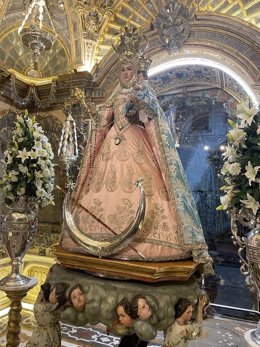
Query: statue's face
x,y
123,317
186,316
140,77
78,300
144,312
127,72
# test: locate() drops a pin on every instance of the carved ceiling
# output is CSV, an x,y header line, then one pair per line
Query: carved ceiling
x,y
84,28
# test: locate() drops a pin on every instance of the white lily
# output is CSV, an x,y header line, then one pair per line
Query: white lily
x,y
38,174
37,145
23,168
226,200
20,119
23,155
251,172
30,123
237,136
46,172
247,114
41,162
48,201
49,187
38,183
230,154
33,154
44,139
42,153
9,159
20,140
38,127
251,203
52,171
40,193
18,131
37,135
225,168
47,146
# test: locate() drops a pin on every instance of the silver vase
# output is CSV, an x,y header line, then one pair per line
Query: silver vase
x,y
250,264
253,258
19,224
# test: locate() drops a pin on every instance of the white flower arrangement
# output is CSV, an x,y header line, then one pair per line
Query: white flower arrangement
x,y
29,168
241,169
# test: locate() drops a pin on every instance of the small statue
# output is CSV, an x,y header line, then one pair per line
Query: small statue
x,y
181,331
47,332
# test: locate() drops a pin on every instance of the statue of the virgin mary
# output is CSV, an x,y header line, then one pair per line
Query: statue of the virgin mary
x,y
133,142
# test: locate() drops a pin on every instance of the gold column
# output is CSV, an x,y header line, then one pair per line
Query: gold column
x,y
16,294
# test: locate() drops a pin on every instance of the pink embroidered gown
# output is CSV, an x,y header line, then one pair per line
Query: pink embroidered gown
x,y
110,193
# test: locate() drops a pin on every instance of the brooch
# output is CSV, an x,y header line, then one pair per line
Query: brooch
x,y
118,139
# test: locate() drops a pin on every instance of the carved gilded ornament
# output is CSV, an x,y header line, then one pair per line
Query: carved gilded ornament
x,y
92,15
172,24
32,95
38,271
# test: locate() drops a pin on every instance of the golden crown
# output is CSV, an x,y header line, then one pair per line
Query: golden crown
x,y
129,43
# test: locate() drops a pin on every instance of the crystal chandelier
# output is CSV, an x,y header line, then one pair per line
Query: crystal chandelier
x,y
32,33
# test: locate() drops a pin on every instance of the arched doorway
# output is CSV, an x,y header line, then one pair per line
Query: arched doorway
x,y
197,100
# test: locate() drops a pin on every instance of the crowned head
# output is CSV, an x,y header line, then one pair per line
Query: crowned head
x,y
127,73
143,66
130,44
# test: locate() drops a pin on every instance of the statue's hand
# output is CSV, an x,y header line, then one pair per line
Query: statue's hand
x,y
203,299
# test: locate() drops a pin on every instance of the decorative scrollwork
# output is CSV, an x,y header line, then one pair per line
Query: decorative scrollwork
x,y
239,241
249,249
47,101
32,95
172,24
22,102
92,16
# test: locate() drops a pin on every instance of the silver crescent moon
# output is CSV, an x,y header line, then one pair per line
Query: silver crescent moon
x,y
108,245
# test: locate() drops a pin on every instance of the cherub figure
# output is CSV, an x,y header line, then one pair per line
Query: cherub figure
x,y
141,81
77,298
145,314
141,95
182,331
141,308
47,332
125,317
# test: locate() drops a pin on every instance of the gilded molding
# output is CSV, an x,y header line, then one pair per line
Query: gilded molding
x,y
38,267
80,21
